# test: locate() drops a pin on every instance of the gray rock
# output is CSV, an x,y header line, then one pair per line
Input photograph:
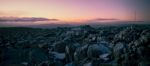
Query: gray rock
x,y
59,56
70,64
60,47
98,51
118,48
80,54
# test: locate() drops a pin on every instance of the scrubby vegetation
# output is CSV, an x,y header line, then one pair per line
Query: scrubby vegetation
x,y
76,46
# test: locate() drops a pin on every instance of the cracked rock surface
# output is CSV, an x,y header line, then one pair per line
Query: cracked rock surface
x,y
124,45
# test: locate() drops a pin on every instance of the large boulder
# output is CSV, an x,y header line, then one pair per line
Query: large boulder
x,y
98,51
81,53
60,47
70,50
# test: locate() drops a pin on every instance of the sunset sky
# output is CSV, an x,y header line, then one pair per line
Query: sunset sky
x,y
77,10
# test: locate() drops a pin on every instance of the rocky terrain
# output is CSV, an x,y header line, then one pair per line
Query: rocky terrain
x,y
124,45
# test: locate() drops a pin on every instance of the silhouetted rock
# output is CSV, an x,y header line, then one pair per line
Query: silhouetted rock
x,y
123,45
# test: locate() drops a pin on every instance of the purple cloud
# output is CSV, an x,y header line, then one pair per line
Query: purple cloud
x,y
102,19
24,19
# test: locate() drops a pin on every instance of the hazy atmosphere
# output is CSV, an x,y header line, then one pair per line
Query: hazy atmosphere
x,y
74,32
72,11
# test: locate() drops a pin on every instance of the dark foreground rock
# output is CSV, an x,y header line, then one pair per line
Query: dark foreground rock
x,y
76,46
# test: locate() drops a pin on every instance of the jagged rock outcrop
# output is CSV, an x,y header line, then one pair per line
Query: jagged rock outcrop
x,y
124,45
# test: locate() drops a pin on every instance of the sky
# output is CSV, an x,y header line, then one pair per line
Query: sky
x,y
77,10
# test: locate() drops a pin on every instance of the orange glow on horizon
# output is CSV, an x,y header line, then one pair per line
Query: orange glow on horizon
x,y
67,11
